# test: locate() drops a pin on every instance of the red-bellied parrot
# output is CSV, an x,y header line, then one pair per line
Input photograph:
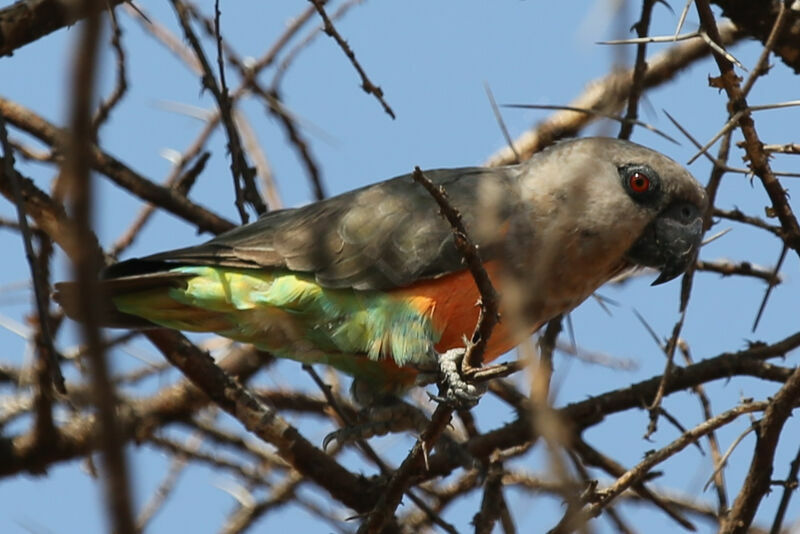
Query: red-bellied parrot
x,y
371,282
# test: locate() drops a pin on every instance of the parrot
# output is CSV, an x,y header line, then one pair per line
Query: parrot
x,y
371,282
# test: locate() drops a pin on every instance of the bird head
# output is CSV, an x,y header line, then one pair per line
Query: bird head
x,y
675,202
615,205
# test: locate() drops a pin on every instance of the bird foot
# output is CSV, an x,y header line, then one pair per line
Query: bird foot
x,y
390,414
378,421
459,392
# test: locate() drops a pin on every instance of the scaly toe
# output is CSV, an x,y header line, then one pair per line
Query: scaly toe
x,y
379,421
458,391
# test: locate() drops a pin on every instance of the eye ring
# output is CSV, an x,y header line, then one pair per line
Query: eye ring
x,y
639,182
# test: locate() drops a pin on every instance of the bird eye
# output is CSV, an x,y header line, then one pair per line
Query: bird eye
x,y
639,182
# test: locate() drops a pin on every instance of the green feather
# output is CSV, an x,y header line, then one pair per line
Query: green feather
x,y
290,315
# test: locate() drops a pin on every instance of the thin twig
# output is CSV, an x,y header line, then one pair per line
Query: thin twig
x,y
181,183
640,67
739,216
789,489
263,169
761,67
593,457
595,113
249,82
244,186
167,485
263,421
47,379
682,18
590,486
366,84
368,451
608,95
771,283
247,514
276,108
669,350
720,50
390,496
40,284
759,161
78,181
786,148
121,85
499,118
292,54
705,403
190,450
723,459
638,472
116,170
649,39
491,505
744,268
489,315
759,476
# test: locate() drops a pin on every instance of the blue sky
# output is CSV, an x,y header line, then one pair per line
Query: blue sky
x,y
432,60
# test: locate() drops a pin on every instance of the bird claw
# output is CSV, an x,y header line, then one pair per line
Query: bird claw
x,y
379,421
350,434
398,416
459,392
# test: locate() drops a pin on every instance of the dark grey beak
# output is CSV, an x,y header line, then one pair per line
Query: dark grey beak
x,y
670,242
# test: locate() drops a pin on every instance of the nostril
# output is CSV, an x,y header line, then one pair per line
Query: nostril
x,y
682,213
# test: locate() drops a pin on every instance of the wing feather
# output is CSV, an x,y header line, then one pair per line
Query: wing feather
x,y
387,235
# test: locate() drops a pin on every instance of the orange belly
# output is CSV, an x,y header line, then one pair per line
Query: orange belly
x,y
452,302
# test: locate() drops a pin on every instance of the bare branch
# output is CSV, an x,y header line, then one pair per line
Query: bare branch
x,y
26,21
366,84
86,266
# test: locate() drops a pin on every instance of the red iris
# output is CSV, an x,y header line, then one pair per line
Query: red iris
x,y
639,182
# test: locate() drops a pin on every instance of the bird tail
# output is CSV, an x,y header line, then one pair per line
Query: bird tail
x,y
150,288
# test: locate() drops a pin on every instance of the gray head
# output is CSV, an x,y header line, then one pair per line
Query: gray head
x,y
632,202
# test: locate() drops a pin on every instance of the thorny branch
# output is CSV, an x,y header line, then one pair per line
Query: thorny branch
x,y
609,94
243,174
639,69
271,460
754,148
366,84
489,315
487,319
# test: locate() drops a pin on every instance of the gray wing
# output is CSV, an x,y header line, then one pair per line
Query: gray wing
x,y
386,235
